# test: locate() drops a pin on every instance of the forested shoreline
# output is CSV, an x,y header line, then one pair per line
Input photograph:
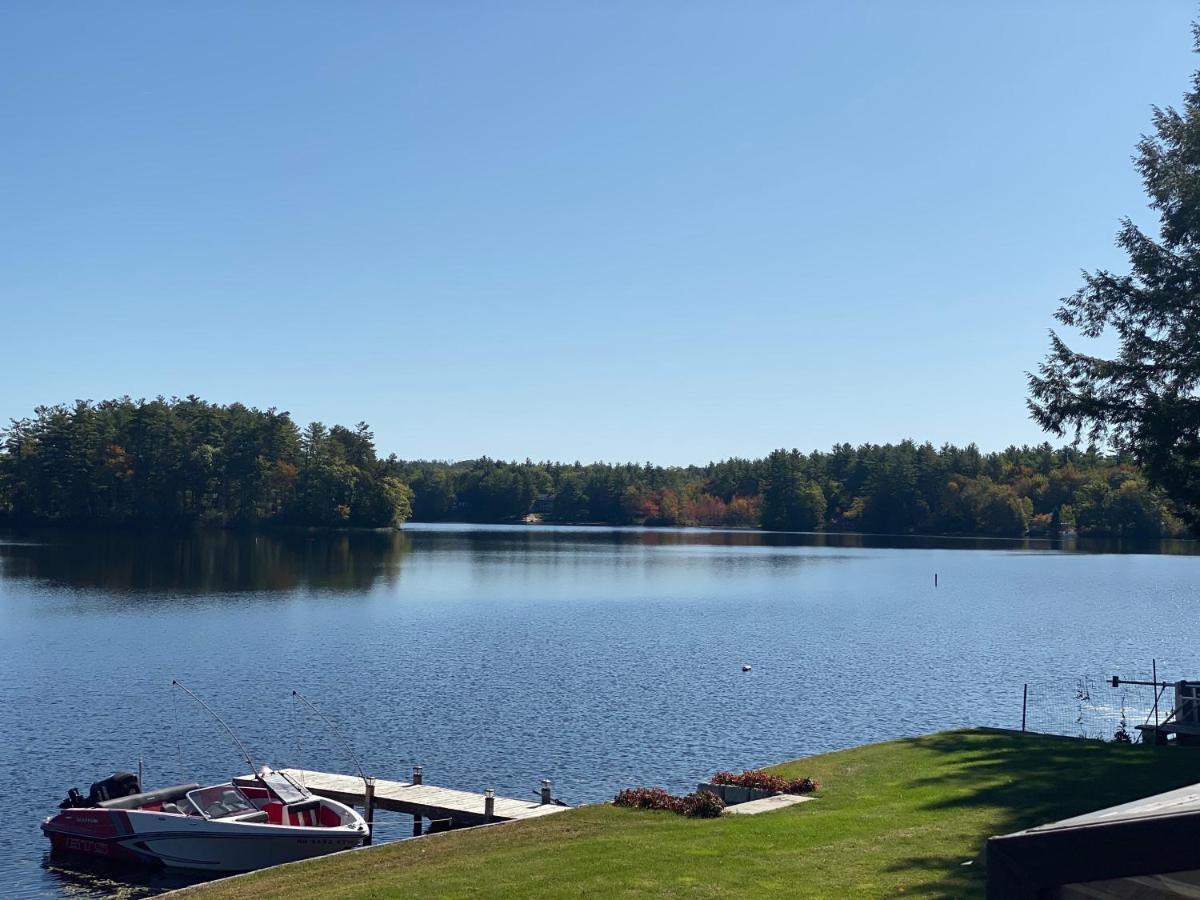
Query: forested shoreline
x,y
185,463
178,463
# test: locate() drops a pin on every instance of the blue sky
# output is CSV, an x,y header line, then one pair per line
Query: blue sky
x,y
666,231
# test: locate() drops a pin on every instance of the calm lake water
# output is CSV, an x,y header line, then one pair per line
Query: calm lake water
x,y
494,657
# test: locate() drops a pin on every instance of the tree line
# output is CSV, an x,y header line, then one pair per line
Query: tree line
x,y
187,462
184,462
903,488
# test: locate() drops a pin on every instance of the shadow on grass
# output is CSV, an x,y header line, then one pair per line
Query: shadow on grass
x,y
1032,779
944,876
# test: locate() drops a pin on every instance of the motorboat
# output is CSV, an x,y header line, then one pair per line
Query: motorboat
x,y
244,824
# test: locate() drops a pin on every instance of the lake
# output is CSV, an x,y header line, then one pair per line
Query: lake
x,y
497,656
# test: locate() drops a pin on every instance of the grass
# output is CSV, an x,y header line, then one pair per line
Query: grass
x,y
894,818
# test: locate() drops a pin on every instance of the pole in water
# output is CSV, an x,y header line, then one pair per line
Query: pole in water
x,y
935,579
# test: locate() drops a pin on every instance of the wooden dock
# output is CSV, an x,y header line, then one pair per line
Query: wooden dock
x,y
445,807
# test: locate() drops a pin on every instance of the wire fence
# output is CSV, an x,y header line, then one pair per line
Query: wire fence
x,y
1088,706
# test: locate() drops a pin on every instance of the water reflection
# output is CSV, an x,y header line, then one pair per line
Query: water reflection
x,y
227,562
81,876
521,537
205,562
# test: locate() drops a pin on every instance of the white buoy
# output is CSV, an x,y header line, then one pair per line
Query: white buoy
x,y
746,668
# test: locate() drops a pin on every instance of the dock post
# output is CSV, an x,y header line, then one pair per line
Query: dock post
x,y
545,791
489,804
1024,705
369,808
417,776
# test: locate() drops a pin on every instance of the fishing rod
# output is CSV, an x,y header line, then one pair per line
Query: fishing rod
x,y
212,712
342,737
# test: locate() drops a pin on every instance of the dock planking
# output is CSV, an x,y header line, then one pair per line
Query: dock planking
x,y
421,800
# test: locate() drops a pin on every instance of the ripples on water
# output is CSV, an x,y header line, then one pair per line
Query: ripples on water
x,y
495,657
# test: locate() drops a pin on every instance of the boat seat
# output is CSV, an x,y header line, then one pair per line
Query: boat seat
x,y
310,812
307,813
171,808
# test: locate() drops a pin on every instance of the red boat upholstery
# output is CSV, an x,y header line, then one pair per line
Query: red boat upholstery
x,y
311,813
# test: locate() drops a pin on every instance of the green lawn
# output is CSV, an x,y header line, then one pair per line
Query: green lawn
x,y
891,818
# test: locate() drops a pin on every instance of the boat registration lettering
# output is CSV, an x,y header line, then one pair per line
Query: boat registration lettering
x,y
82,845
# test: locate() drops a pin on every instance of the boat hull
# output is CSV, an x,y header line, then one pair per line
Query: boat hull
x,y
191,842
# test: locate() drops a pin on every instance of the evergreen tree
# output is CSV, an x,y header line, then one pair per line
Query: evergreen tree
x,y
790,501
1143,399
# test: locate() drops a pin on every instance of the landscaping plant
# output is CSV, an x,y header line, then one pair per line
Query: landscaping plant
x,y
765,781
696,805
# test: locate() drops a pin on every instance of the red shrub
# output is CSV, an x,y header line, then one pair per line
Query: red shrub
x,y
765,781
702,805
751,778
699,805
801,786
647,798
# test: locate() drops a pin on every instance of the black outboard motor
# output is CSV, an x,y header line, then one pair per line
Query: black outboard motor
x,y
74,800
119,784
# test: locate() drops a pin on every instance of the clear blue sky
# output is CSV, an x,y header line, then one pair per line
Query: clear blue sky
x,y
665,231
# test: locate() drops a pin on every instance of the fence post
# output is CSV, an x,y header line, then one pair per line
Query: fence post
x,y
1024,705
1154,677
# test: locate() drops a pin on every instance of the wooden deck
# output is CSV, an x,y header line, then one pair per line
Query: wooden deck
x,y
427,801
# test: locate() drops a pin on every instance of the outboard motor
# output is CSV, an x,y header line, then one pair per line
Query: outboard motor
x,y
119,784
74,800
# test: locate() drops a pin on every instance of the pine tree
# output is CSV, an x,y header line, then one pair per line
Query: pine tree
x,y
1144,399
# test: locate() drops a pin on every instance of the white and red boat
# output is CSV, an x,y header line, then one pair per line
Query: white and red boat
x,y
238,826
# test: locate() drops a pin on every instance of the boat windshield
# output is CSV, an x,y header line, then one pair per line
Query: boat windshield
x,y
220,801
282,786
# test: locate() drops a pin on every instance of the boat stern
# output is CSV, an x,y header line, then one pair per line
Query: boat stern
x,y
93,832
